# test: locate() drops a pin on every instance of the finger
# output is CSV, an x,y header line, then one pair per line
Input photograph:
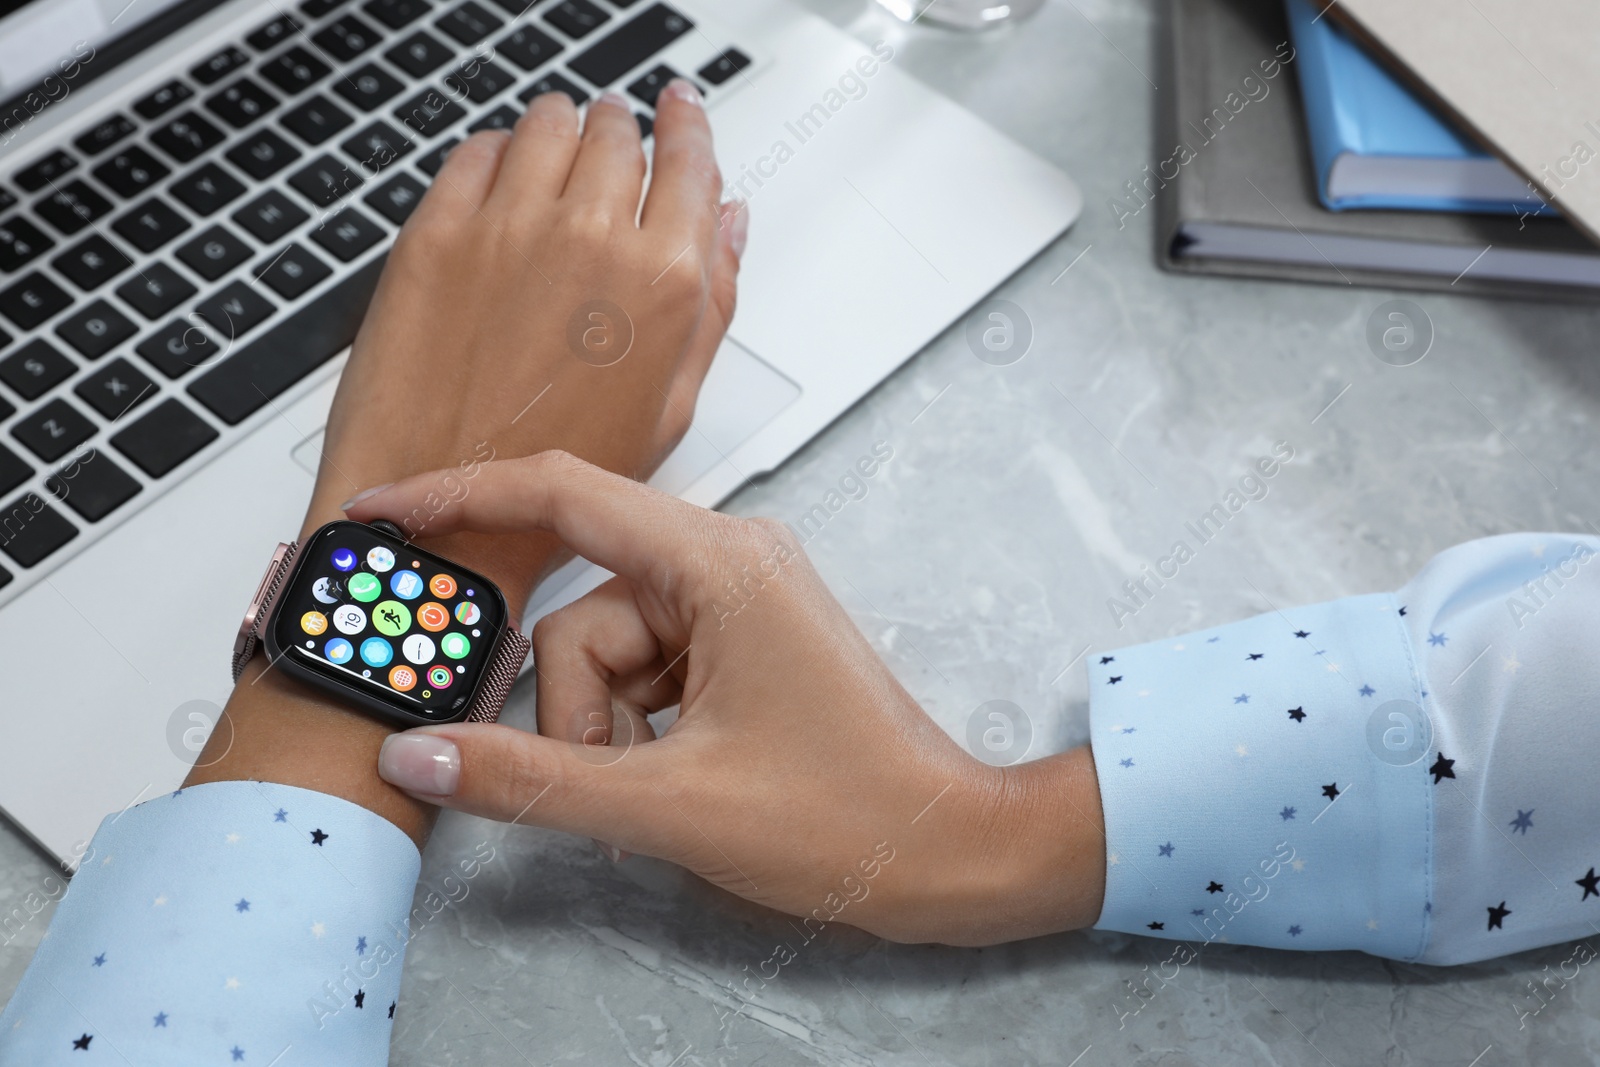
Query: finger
x,y
685,184
608,171
580,650
502,773
539,157
469,171
734,226
628,528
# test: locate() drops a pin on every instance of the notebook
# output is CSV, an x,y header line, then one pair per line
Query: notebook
x,y
1375,145
1520,75
1234,190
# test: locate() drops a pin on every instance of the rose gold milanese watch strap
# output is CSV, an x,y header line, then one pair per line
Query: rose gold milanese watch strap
x,y
255,619
499,675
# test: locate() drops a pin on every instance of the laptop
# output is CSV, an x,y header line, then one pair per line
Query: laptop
x,y
198,197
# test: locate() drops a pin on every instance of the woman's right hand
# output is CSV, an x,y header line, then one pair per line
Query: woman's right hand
x,y
799,773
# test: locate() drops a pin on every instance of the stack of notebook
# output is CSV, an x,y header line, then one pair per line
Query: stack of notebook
x,y
1288,152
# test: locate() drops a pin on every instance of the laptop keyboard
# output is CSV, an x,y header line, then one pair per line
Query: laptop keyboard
x,y
188,260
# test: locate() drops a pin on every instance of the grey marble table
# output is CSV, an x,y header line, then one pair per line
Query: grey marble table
x,y
979,563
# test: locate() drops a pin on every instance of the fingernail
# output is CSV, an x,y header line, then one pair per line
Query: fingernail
x,y
420,763
615,99
610,852
363,495
741,227
685,90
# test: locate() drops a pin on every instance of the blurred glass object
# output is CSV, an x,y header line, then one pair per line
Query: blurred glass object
x,y
962,14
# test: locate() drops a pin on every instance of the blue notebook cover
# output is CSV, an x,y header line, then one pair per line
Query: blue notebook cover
x,y
1393,151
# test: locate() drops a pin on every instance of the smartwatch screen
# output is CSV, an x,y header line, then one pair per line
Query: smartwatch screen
x,y
375,612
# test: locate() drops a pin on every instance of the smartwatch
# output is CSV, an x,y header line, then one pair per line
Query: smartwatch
x,y
393,630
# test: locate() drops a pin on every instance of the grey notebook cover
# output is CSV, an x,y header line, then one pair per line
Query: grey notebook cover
x,y
1249,165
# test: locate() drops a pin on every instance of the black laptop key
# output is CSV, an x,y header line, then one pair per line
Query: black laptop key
x,y
315,9
292,272
469,23
53,430
316,120
631,44
397,13
324,181
156,290
72,205
33,300
7,409
434,159
95,329
553,83
518,7
13,470
575,18
91,262
31,530
430,112
21,242
241,103
724,67
420,54
8,200
115,388
503,117
263,154
164,437
186,136
105,135
377,146
294,70
39,174
347,234
261,370
178,348
478,80
92,485
162,100
397,198
527,47
649,86
270,216
219,66
33,370
235,311
345,38
150,225
131,171
207,189
273,33
214,253
367,87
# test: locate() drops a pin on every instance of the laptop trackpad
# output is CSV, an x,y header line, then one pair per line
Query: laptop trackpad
x,y
741,394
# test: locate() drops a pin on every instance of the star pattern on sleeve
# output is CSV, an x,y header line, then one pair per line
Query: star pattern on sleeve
x,y
1158,926
1298,714
1242,698
1331,790
100,960
242,906
1286,814
83,1042
1590,883
1442,768
1523,822
1497,916
237,1053
1437,640
1114,679
1254,656
280,816
1166,849
1367,690
161,1019
318,837
1214,887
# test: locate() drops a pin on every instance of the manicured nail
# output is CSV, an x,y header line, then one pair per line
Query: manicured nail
x,y
610,852
363,495
420,763
615,99
739,226
685,90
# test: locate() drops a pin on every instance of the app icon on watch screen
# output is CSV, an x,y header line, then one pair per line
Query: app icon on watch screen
x,y
349,619
338,650
344,559
365,587
418,648
403,678
314,623
326,590
392,618
376,652
380,559
467,613
456,646
439,676
432,617
442,586
407,585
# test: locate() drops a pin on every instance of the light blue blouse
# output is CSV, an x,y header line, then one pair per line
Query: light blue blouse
x,y
1402,774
